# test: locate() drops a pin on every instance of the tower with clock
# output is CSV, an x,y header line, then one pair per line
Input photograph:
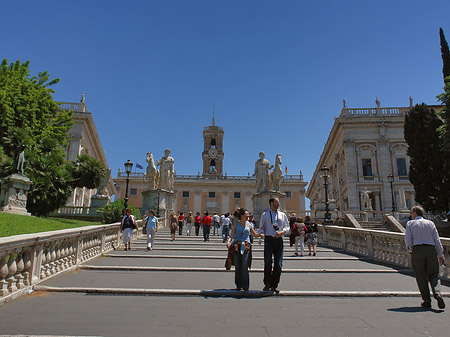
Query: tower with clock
x,y
212,150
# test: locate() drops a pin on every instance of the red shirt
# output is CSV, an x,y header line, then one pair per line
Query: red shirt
x,y
181,217
198,219
207,220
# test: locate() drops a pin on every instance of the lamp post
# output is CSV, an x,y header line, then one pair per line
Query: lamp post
x,y
325,174
391,180
128,167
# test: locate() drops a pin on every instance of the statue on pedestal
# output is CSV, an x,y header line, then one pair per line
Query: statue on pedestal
x,y
152,174
166,171
102,190
276,174
19,159
366,202
262,167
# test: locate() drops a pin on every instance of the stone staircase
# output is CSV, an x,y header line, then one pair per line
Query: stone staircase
x,y
377,225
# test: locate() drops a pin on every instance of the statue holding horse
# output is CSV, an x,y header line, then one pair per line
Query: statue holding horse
x,y
152,175
276,175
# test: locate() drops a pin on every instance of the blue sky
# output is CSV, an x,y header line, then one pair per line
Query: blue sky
x,y
276,71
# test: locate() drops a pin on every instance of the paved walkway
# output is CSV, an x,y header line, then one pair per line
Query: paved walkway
x,y
181,288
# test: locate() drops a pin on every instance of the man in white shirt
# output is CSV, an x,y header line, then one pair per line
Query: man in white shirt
x,y
422,240
273,226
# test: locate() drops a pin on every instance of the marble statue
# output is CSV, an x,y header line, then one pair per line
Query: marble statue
x,y
19,159
366,202
152,175
166,171
262,167
276,174
377,102
102,190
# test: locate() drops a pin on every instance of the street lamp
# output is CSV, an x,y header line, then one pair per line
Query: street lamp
x,y
391,180
325,174
128,167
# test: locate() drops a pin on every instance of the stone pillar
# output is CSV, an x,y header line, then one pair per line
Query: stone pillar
x,y
13,195
249,202
225,202
261,203
352,176
198,202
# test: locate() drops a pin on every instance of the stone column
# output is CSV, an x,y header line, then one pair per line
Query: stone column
x,y
225,202
352,174
198,202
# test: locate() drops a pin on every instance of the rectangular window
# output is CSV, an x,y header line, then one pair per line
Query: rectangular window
x,y
288,194
237,195
133,191
185,194
367,167
212,194
401,167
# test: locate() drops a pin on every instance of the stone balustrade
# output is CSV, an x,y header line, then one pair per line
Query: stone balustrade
x,y
26,260
379,246
367,112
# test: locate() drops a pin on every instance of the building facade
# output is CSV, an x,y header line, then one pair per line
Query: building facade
x,y
365,146
212,190
84,139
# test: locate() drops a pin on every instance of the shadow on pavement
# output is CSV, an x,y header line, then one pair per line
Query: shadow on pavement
x,y
414,309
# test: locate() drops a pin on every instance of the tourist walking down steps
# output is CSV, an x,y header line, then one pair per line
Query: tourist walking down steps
x,y
152,228
127,225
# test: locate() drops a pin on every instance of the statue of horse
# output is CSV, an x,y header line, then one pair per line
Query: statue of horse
x,y
276,174
152,175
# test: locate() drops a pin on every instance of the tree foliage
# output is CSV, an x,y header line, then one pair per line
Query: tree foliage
x,y
113,211
427,169
30,116
445,53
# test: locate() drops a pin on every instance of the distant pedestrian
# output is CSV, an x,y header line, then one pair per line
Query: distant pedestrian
x,y
180,223
189,220
152,228
422,240
240,235
127,225
207,222
311,235
297,236
225,227
197,222
253,224
173,225
273,226
216,221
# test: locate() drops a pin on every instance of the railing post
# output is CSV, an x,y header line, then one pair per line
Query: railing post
x,y
369,246
343,240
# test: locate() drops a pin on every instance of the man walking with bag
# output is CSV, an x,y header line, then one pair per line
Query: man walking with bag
x,y
273,226
422,240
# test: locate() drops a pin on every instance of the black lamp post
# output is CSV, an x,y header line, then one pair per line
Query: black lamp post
x,y
325,174
128,167
391,180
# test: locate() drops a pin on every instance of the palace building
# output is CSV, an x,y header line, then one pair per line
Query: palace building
x,y
213,190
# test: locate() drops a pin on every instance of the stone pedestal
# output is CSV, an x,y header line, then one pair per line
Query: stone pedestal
x,y
261,203
166,204
99,201
13,195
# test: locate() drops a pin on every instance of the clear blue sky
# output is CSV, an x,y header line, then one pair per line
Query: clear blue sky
x,y
276,71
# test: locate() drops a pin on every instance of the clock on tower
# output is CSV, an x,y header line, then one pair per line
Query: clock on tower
x,y
213,150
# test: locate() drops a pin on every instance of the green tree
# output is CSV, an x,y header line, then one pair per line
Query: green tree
x,y
30,116
113,211
445,53
444,98
427,163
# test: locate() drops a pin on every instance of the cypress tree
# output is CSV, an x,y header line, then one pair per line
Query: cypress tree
x,y
445,53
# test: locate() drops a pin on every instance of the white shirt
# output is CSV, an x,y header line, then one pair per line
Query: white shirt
x,y
422,232
270,218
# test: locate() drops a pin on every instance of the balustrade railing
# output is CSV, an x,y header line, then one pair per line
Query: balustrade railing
x,y
26,260
385,247
363,112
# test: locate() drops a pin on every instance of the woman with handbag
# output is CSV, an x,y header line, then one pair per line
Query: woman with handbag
x,y
311,233
239,243
127,226
173,225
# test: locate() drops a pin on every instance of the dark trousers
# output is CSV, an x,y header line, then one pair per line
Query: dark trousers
x,y
272,247
206,230
197,229
180,227
225,232
241,278
425,264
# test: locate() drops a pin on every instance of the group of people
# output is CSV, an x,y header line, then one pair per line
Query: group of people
x,y
301,230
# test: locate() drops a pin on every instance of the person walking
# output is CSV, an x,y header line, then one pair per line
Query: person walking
x,y
127,225
173,225
189,220
297,236
197,222
225,227
152,228
206,221
273,226
240,235
180,223
422,240
216,221
311,235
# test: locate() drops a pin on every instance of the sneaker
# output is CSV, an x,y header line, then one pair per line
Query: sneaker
x,y
426,305
314,254
296,254
275,289
441,303
266,288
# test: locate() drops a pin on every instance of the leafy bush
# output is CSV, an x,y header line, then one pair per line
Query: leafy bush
x,y
113,211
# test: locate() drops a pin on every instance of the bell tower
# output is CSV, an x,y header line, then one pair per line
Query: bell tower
x,y
212,150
